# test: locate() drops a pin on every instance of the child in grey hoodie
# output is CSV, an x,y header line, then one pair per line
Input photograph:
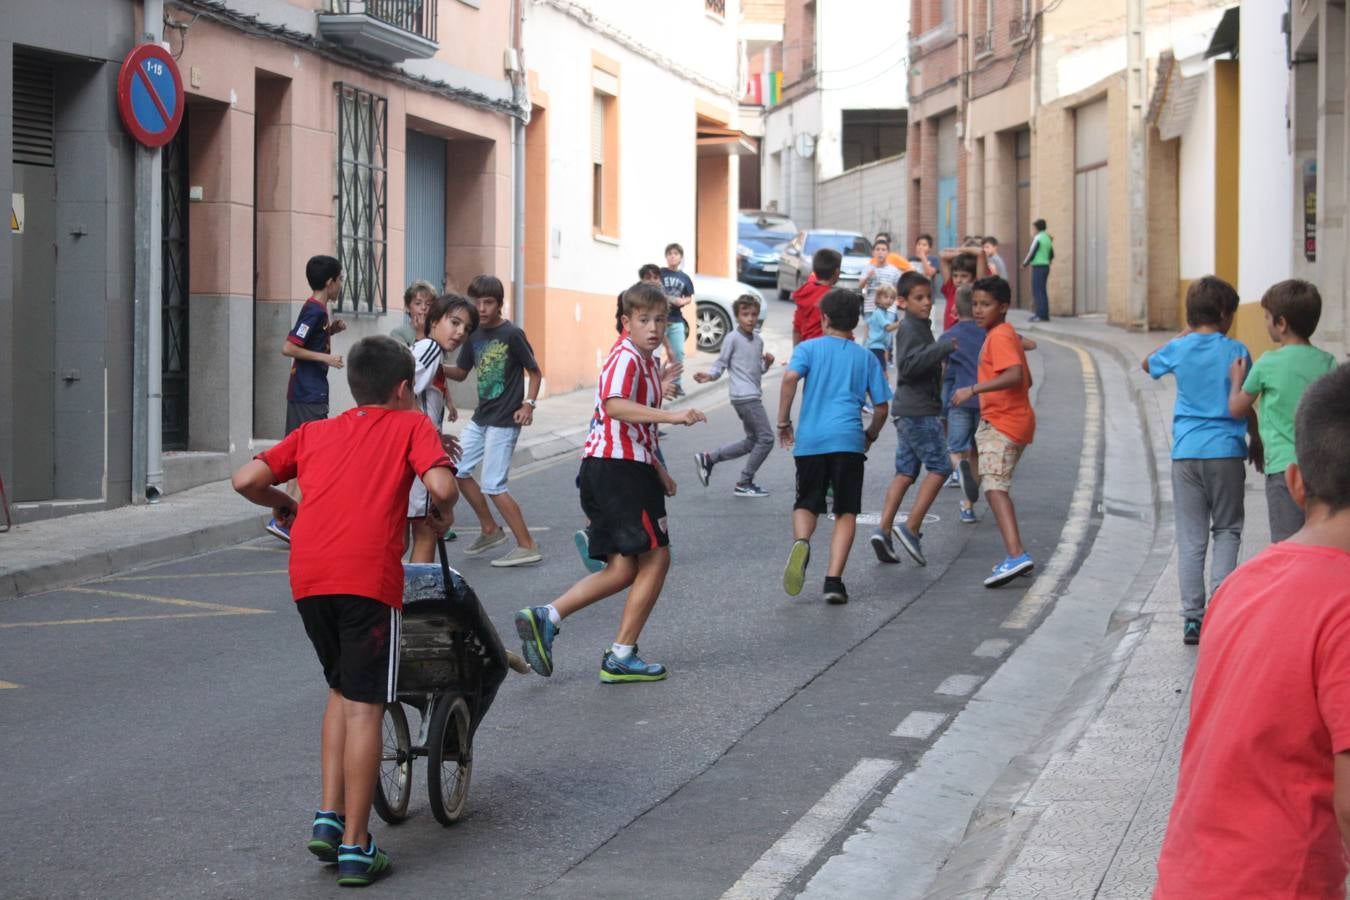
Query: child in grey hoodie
x,y
744,357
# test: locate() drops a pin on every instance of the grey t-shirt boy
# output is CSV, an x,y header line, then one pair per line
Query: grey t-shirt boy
x,y
743,357
502,355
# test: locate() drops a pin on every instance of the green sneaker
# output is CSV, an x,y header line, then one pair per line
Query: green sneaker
x,y
327,836
794,574
621,670
359,866
485,542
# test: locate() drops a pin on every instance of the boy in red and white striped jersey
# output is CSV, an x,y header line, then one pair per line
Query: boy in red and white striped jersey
x,y
623,489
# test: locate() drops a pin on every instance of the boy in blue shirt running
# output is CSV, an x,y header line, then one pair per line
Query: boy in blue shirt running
x,y
839,377
1208,444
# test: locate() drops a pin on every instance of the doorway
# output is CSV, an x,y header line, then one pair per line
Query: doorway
x,y
1022,280
948,224
1091,212
174,292
424,237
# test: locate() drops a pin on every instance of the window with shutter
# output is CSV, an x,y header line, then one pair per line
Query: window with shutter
x,y
34,135
598,161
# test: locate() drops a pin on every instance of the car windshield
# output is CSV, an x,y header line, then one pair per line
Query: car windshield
x,y
847,244
767,228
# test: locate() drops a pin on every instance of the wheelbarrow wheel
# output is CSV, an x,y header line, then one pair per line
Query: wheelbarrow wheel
x,y
449,760
393,789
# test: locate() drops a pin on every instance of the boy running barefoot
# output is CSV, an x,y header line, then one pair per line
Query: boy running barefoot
x,y
347,575
744,357
1262,807
623,490
1008,422
839,377
918,428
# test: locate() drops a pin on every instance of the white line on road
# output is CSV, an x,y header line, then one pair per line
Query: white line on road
x,y
959,685
1042,591
785,860
993,648
920,725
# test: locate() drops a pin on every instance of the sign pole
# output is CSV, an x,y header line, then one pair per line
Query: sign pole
x,y
147,473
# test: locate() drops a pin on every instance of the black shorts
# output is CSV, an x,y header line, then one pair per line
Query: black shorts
x,y
626,504
298,414
357,642
817,474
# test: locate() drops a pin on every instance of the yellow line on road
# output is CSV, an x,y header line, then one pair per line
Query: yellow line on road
x,y
171,601
164,575
8,685
106,619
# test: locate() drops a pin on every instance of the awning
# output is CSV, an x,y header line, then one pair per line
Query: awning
x,y
714,140
1181,71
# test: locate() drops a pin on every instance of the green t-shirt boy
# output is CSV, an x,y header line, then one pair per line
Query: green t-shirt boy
x,y
1279,379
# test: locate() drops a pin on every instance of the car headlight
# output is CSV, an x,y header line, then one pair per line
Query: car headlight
x,y
742,250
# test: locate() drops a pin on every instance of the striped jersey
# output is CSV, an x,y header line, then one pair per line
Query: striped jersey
x,y
632,376
429,381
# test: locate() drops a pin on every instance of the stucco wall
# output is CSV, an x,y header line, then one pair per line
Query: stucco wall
x,y
868,199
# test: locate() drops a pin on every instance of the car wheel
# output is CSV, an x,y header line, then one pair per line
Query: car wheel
x,y
711,325
783,293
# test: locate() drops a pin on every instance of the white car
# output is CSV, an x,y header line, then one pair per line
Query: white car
x,y
713,296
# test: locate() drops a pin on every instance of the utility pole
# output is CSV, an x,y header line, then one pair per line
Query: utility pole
x,y
1135,80
147,471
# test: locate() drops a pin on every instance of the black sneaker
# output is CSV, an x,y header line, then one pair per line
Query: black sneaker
x,y
703,467
1190,633
835,592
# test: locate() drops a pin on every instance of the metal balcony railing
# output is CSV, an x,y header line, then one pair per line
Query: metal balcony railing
x,y
984,43
413,16
716,7
1018,28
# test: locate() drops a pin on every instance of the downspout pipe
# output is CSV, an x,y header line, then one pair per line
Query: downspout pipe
x,y
147,473
520,93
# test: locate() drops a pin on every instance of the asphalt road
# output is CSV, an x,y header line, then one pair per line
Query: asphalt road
x,y
159,731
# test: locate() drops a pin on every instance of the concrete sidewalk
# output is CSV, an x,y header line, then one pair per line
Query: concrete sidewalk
x,y
39,556
1083,812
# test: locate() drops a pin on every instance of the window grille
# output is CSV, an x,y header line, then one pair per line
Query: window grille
x,y
363,178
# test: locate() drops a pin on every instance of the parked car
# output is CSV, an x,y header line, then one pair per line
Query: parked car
x,y
713,296
761,236
794,263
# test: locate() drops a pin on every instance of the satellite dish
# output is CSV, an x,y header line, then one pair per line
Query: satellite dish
x,y
805,146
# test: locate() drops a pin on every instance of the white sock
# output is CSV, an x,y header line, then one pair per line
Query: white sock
x,y
553,614
622,651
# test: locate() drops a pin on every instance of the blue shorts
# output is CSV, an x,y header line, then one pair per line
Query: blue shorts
x,y
961,425
919,441
492,446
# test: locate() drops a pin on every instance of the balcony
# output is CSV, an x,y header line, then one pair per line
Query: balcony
x,y
389,30
984,44
1019,29
716,8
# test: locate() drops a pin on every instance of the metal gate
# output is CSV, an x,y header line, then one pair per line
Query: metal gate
x,y
174,292
424,236
1091,220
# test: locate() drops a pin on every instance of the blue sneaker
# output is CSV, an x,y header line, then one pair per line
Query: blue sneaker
x,y
794,573
1009,569
359,866
328,829
881,545
536,632
623,669
968,516
276,529
912,543
583,541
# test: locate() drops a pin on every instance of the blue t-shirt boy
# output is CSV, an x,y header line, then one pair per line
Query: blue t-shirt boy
x,y
963,365
1201,425
838,378
878,338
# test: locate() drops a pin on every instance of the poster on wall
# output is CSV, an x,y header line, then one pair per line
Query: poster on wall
x,y
1310,210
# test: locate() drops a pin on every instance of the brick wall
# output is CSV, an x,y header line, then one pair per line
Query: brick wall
x,y
869,199
1005,62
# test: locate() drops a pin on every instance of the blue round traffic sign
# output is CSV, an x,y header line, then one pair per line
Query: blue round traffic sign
x,y
150,95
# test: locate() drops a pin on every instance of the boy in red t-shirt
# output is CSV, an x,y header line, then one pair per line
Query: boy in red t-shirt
x,y
347,541
1262,807
956,271
806,317
623,486
1008,423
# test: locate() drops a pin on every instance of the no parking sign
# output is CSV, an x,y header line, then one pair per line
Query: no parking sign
x,y
150,95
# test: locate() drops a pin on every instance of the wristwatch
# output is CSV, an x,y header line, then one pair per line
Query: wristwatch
x,y
532,403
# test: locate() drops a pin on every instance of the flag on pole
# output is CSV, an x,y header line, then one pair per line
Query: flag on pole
x,y
754,90
775,91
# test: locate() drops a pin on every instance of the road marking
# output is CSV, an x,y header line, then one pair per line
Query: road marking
x,y
993,648
164,575
1042,590
257,549
792,852
874,518
171,601
8,685
101,620
920,725
959,685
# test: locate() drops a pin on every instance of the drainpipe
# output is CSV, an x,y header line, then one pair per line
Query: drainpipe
x,y
519,93
147,473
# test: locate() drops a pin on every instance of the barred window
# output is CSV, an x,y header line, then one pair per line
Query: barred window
x,y
363,177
